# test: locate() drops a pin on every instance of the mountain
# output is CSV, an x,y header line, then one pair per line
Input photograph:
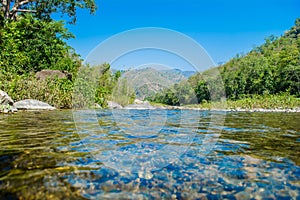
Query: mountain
x,y
185,74
148,81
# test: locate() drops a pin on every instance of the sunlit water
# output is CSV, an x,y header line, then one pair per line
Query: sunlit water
x,y
140,154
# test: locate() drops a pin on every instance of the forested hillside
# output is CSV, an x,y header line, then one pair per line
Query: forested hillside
x,y
270,69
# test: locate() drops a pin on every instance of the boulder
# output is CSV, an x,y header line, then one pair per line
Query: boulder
x,y
97,105
113,105
6,103
5,99
47,73
137,101
31,104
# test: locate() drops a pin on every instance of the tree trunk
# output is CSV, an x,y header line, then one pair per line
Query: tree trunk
x,y
10,11
6,8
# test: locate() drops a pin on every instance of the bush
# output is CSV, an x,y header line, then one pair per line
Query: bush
x,y
56,92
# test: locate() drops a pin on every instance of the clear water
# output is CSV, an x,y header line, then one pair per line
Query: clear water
x,y
140,154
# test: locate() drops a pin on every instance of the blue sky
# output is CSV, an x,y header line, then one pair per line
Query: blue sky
x,y
223,27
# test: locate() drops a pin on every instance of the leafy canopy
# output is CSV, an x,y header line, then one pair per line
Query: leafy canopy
x,y
43,9
270,69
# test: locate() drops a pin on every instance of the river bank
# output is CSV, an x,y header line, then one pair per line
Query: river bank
x,y
257,103
267,103
194,107
295,110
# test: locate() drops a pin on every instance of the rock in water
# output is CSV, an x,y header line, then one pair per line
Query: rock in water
x,y
31,104
5,99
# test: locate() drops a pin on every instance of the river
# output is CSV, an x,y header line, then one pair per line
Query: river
x,y
149,154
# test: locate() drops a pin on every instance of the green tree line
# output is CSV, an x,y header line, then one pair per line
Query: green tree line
x,y
30,41
270,69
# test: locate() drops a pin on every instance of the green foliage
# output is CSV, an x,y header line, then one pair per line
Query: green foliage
x,y
105,84
148,81
270,69
167,96
30,45
295,30
33,41
202,91
278,101
95,85
91,85
180,94
56,92
273,68
43,9
84,88
123,93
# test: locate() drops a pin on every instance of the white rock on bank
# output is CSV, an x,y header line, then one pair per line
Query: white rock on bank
x,y
32,104
113,105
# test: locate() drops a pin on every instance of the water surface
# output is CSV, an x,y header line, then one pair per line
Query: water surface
x,y
140,154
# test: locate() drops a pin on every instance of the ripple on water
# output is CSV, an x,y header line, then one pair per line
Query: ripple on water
x,y
149,155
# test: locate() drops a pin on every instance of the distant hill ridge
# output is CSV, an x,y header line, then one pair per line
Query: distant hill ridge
x,y
148,81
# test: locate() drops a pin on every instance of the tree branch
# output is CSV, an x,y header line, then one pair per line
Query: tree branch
x,y
24,2
25,10
2,7
16,8
18,4
5,8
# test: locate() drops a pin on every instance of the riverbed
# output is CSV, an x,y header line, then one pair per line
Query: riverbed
x,y
149,154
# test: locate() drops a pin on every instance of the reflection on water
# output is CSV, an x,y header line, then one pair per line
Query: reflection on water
x,y
140,154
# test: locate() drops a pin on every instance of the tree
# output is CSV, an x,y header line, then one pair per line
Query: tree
x,y
295,30
33,41
272,68
43,9
30,45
